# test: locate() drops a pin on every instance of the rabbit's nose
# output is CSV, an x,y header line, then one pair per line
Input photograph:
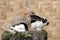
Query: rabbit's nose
x,y
48,23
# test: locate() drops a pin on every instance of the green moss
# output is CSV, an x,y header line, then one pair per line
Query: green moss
x,y
18,36
30,35
6,35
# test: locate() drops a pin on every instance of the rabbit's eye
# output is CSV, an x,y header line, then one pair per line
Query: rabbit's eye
x,y
32,13
11,29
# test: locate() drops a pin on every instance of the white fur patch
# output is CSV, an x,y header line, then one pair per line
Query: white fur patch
x,y
38,25
19,28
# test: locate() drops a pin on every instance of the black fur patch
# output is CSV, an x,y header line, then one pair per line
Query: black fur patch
x,y
44,20
35,18
26,27
32,21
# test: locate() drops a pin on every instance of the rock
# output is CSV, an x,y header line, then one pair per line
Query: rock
x,y
40,35
30,35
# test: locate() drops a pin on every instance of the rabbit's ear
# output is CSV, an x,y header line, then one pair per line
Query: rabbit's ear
x,y
27,5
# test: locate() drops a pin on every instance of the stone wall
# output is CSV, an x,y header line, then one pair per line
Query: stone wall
x,y
9,9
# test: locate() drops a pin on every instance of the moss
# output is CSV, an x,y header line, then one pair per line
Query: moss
x,y
18,36
30,35
6,35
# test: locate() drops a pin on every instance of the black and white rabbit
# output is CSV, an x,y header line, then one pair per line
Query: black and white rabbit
x,y
37,22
